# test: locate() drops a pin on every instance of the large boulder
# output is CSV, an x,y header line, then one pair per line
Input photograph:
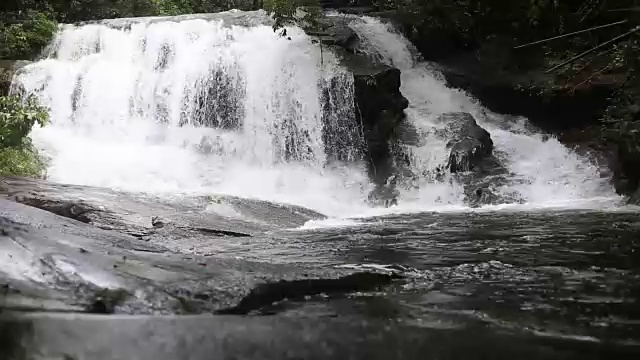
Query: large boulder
x,y
378,101
380,108
331,32
470,144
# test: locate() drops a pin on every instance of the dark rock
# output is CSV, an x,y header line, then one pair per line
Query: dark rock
x,y
218,232
157,222
380,110
531,95
483,196
336,33
469,143
269,293
68,209
106,301
71,262
625,159
378,101
385,195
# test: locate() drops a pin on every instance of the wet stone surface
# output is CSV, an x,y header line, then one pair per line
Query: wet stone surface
x,y
192,275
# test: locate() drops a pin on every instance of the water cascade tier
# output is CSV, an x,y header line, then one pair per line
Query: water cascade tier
x,y
222,104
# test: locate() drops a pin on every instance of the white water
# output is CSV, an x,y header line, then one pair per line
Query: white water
x,y
125,115
543,173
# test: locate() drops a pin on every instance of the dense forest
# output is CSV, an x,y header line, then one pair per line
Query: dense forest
x,y
596,92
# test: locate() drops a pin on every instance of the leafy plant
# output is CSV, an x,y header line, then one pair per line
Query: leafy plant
x,y
17,154
24,38
283,12
17,118
24,161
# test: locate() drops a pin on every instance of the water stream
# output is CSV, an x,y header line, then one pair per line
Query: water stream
x,y
209,105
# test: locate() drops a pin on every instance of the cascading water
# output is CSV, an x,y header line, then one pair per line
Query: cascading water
x,y
541,171
199,105
203,105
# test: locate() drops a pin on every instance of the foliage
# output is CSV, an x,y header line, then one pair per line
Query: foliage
x,y
23,161
285,12
17,154
477,20
24,36
173,7
17,117
81,10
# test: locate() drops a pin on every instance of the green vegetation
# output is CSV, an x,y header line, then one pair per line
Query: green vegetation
x,y
306,13
24,33
17,154
283,12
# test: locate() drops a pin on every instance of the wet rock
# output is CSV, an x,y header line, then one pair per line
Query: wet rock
x,y
218,232
334,32
269,293
380,107
378,101
106,300
483,196
384,195
72,210
625,160
469,143
157,222
51,262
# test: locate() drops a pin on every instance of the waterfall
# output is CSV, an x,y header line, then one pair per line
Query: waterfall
x,y
222,104
540,170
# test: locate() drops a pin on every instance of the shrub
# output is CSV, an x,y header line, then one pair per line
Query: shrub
x,y
17,118
25,38
23,161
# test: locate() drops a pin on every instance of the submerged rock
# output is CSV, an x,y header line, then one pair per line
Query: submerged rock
x,y
385,195
469,143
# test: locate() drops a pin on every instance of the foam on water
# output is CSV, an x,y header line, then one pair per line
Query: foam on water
x,y
329,224
542,172
194,105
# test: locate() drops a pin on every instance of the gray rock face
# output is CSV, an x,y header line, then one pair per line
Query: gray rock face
x,y
469,143
336,33
80,249
380,106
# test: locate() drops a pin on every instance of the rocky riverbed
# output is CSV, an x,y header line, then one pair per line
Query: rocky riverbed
x,y
552,284
439,229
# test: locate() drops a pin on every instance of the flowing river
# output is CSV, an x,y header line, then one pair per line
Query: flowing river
x,y
214,121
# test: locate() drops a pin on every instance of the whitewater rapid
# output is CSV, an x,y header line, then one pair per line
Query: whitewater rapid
x,y
199,106
542,171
